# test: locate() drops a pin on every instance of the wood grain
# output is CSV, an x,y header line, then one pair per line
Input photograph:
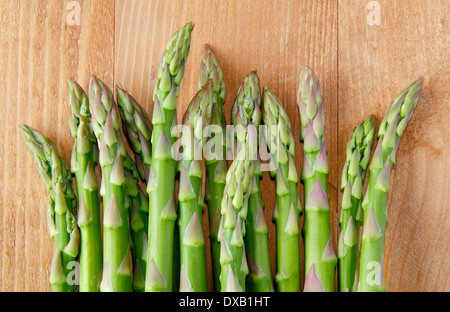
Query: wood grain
x,y
361,68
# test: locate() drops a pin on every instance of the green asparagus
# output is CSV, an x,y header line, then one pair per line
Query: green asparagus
x,y
234,208
320,259
112,152
82,164
215,154
61,207
246,113
137,205
246,110
137,128
357,159
138,214
190,197
375,199
161,181
281,144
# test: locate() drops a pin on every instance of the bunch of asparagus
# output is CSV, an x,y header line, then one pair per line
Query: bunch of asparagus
x,y
133,229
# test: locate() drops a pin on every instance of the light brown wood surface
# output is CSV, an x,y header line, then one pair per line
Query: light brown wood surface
x,y
361,67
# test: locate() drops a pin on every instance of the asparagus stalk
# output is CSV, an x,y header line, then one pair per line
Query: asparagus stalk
x,y
137,128
234,209
138,214
190,197
375,199
215,154
357,159
281,144
82,165
320,259
137,205
61,206
112,153
161,182
246,112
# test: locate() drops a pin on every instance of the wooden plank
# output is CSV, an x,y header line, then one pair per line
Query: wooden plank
x,y
41,49
274,39
361,68
375,63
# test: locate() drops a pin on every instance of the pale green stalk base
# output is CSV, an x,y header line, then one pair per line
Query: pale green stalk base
x,y
288,236
257,246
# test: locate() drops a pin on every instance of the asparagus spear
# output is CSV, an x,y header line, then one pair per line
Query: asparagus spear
x,y
215,154
137,128
234,209
358,152
246,112
375,199
112,153
320,258
137,205
83,162
161,182
246,109
190,197
280,142
61,206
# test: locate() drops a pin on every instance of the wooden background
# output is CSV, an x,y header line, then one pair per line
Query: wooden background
x,y
361,68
